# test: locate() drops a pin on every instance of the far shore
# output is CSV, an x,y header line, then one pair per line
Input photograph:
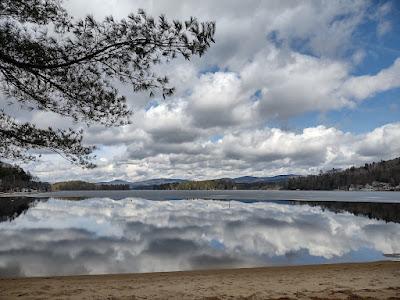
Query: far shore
x,y
375,280
227,195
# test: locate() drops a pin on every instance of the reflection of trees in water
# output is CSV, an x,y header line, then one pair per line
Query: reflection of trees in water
x,y
78,198
11,208
389,212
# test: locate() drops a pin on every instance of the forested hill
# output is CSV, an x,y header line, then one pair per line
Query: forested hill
x,y
15,179
226,184
78,185
381,176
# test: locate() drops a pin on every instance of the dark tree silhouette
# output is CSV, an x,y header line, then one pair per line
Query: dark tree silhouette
x,y
50,62
383,171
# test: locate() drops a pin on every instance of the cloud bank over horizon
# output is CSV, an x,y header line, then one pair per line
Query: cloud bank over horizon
x,y
289,87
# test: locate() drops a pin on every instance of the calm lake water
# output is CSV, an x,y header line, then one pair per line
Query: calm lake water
x,y
96,234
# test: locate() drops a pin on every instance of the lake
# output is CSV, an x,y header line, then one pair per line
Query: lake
x,y
71,233
247,195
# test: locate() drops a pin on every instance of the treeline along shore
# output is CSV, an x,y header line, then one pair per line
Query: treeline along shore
x,y
376,176
381,176
15,179
78,185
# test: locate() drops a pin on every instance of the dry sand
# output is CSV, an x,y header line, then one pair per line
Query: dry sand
x,y
378,280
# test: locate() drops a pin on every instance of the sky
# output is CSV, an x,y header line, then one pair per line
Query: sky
x,y
289,87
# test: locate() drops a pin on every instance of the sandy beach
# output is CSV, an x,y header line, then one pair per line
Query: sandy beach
x,y
377,280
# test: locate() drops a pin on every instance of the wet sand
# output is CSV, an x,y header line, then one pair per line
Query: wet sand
x,y
378,280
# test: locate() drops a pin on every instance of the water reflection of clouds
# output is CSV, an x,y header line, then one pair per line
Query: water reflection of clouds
x,y
61,237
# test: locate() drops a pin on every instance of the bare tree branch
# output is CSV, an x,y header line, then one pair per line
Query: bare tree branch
x,y
72,71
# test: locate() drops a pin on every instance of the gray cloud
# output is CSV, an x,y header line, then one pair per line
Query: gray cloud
x,y
272,61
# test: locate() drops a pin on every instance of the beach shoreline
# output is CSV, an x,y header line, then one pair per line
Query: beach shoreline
x,y
373,280
20,194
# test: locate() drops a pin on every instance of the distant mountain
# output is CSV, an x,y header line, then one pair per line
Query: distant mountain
x,y
114,182
247,179
240,183
154,182
252,179
380,176
244,182
145,184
